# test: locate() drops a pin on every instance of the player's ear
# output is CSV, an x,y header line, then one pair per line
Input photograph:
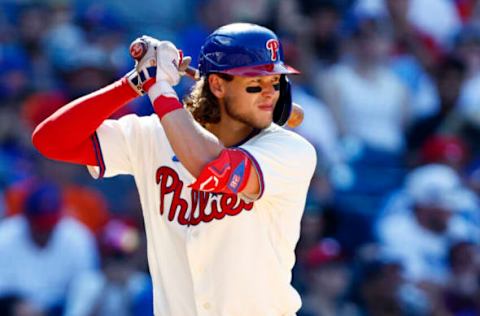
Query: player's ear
x,y
217,85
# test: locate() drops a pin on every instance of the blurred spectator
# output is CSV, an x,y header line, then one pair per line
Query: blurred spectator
x,y
14,78
64,39
447,71
38,106
119,288
325,19
462,295
329,282
313,229
311,232
84,203
14,305
443,149
376,120
106,29
318,126
87,205
436,21
158,19
467,48
315,36
33,23
380,290
449,76
370,106
41,251
420,233
90,69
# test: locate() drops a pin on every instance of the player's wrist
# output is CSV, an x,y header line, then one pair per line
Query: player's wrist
x,y
164,99
134,82
164,105
161,88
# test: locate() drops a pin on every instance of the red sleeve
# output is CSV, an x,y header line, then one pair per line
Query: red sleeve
x,y
69,133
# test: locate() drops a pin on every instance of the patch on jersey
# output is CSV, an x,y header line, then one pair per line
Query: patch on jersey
x,y
236,178
227,174
175,158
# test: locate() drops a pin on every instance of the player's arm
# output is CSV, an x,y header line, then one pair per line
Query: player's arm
x,y
69,133
206,158
201,152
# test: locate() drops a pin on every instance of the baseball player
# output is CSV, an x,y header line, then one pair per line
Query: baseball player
x,y
222,185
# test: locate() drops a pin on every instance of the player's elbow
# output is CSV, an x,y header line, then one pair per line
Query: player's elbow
x,y
195,162
42,142
196,165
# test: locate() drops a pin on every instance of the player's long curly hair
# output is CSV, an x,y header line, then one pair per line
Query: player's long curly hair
x,y
202,103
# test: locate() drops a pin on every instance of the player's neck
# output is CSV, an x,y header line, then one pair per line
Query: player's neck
x,y
230,132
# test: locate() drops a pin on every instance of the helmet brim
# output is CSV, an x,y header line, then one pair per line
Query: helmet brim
x,y
262,70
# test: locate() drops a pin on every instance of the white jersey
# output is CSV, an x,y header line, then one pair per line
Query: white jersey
x,y
214,254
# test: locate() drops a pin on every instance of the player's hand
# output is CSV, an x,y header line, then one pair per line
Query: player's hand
x,y
170,63
162,58
146,67
170,67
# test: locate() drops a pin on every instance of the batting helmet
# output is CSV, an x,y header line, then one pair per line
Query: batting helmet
x,y
243,49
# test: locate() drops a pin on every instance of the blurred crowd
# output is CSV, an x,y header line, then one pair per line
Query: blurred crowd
x,y
391,93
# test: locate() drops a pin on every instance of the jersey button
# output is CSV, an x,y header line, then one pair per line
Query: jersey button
x,y
207,305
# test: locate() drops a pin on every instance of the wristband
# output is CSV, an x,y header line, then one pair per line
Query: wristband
x,y
164,105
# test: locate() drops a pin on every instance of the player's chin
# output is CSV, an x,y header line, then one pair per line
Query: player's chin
x,y
263,122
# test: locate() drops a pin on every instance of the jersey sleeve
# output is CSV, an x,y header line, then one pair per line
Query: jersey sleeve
x,y
284,161
118,144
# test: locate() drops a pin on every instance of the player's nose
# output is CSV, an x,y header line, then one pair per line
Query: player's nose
x,y
268,90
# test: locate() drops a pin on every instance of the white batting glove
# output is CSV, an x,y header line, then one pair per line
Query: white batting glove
x,y
170,67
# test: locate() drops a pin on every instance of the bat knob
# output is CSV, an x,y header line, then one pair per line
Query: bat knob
x,y
138,48
296,117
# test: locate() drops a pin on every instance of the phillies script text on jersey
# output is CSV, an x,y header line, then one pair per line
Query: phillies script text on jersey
x,y
170,183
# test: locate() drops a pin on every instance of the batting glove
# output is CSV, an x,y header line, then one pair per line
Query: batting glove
x,y
171,66
146,67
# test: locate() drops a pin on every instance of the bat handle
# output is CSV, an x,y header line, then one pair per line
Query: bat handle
x,y
296,116
192,73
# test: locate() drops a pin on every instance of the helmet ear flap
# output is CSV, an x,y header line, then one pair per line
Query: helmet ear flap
x,y
284,103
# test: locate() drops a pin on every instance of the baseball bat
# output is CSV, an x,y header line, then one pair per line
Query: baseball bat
x,y
139,47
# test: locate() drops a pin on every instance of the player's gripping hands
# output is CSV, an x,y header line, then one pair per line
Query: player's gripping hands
x,y
159,69
168,74
144,73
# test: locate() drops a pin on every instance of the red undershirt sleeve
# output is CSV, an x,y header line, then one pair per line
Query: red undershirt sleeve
x,y
69,133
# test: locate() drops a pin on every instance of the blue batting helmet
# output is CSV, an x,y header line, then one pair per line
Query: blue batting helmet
x,y
243,49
